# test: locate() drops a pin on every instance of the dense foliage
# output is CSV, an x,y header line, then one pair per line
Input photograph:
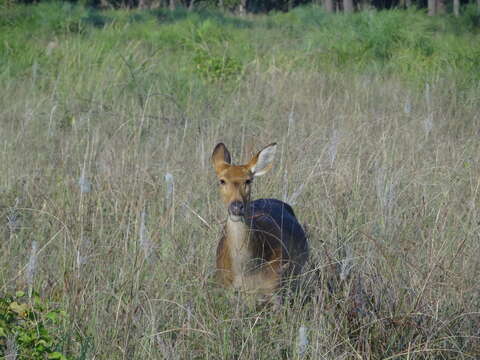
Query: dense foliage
x,y
249,5
28,329
212,45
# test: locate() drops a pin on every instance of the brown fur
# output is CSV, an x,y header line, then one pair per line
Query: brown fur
x,y
224,264
264,276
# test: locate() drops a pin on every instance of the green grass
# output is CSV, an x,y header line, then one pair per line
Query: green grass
x,y
376,116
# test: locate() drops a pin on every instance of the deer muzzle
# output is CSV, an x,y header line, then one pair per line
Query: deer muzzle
x,y
236,209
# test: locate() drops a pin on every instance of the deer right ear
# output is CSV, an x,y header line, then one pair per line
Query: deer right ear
x,y
262,162
220,157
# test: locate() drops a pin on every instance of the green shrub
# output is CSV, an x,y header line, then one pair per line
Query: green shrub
x,y
49,17
31,325
215,67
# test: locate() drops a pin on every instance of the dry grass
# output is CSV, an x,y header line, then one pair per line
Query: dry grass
x,y
385,179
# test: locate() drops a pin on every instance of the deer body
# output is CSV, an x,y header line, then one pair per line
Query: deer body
x,y
262,243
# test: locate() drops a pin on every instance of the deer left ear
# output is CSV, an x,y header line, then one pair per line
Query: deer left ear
x,y
220,157
262,162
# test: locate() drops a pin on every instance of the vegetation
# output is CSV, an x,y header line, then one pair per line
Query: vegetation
x,y
23,328
435,7
109,205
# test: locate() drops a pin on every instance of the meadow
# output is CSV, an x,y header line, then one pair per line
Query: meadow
x,y
109,206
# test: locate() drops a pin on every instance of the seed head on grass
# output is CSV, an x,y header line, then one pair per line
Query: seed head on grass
x,y
428,124
13,218
13,222
170,188
333,147
347,264
386,192
144,238
84,184
302,340
82,254
407,107
32,266
291,122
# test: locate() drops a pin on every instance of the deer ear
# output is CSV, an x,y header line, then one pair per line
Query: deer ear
x,y
262,162
220,157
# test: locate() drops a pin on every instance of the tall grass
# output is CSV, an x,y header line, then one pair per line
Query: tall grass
x,y
106,130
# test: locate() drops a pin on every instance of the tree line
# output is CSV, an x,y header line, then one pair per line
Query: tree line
x,y
434,7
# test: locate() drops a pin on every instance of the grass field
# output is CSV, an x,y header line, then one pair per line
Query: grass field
x,y
107,123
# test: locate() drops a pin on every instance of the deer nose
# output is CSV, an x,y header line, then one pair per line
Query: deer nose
x,y
236,208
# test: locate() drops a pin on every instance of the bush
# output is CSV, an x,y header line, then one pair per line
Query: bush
x,y
215,67
28,328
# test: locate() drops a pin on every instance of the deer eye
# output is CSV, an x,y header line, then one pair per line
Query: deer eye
x,y
221,182
248,181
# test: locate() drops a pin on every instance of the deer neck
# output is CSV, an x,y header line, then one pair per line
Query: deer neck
x,y
238,237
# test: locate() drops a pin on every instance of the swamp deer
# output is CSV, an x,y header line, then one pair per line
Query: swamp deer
x,y
262,244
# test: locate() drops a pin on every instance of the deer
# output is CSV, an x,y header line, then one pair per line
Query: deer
x,y
263,246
